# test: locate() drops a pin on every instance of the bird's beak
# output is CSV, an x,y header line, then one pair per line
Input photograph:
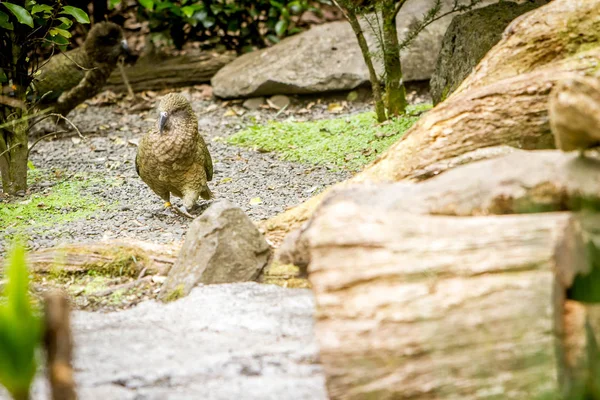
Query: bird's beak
x,y
125,47
162,120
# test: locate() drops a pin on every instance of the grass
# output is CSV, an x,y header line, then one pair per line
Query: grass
x,y
66,201
343,143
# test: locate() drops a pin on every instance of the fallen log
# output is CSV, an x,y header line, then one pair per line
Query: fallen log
x,y
423,307
118,256
518,183
503,103
156,72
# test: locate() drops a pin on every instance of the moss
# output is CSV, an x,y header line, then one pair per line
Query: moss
x,y
66,201
343,143
581,34
285,275
174,294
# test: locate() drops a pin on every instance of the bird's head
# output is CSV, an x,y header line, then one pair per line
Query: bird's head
x,y
105,43
174,109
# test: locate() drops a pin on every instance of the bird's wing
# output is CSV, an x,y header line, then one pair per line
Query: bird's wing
x,y
137,164
208,166
89,86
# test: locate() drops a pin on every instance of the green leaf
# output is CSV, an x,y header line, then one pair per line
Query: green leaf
x,y
66,22
188,11
22,14
281,27
208,22
41,8
4,22
61,41
30,165
113,3
61,32
20,328
147,4
77,13
3,77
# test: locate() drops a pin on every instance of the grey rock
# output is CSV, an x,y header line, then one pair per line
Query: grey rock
x,y
235,341
468,38
279,101
327,58
253,103
221,246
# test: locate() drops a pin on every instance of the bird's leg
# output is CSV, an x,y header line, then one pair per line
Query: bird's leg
x,y
581,153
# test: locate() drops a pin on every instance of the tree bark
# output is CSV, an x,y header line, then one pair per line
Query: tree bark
x,y
435,307
156,72
503,103
394,87
350,14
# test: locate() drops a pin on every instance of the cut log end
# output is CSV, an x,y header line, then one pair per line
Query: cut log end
x,y
418,306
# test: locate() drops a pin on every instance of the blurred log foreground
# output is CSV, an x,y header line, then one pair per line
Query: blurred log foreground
x,y
477,276
156,71
424,293
502,103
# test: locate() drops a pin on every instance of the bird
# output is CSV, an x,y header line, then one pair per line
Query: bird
x,y
68,79
172,158
574,113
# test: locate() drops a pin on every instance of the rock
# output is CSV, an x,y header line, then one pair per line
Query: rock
x,y
221,246
279,101
243,340
468,38
327,58
254,103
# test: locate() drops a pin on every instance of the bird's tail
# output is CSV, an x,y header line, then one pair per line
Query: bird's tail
x,y
206,194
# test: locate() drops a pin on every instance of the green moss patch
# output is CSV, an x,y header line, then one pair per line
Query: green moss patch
x,y
346,143
66,201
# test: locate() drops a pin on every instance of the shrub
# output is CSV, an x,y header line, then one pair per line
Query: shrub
x,y
20,329
238,24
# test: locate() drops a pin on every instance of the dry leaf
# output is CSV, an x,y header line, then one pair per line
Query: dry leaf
x,y
230,113
335,108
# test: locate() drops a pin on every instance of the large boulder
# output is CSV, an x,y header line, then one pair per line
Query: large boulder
x,y
221,246
468,38
327,58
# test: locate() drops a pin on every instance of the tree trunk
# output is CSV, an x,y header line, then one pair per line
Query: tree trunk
x,y
350,15
13,166
436,307
503,103
394,87
159,71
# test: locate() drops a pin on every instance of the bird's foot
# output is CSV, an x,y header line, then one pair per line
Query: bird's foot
x,y
182,212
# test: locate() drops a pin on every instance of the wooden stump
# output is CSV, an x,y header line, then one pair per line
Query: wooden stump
x,y
438,307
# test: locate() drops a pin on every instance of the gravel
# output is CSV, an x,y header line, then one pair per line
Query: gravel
x,y
133,210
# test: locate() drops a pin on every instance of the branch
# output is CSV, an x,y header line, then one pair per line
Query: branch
x,y
9,101
398,7
42,138
431,16
10,148
59,116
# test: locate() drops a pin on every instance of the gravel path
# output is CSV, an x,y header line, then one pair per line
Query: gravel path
x,y
133,209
